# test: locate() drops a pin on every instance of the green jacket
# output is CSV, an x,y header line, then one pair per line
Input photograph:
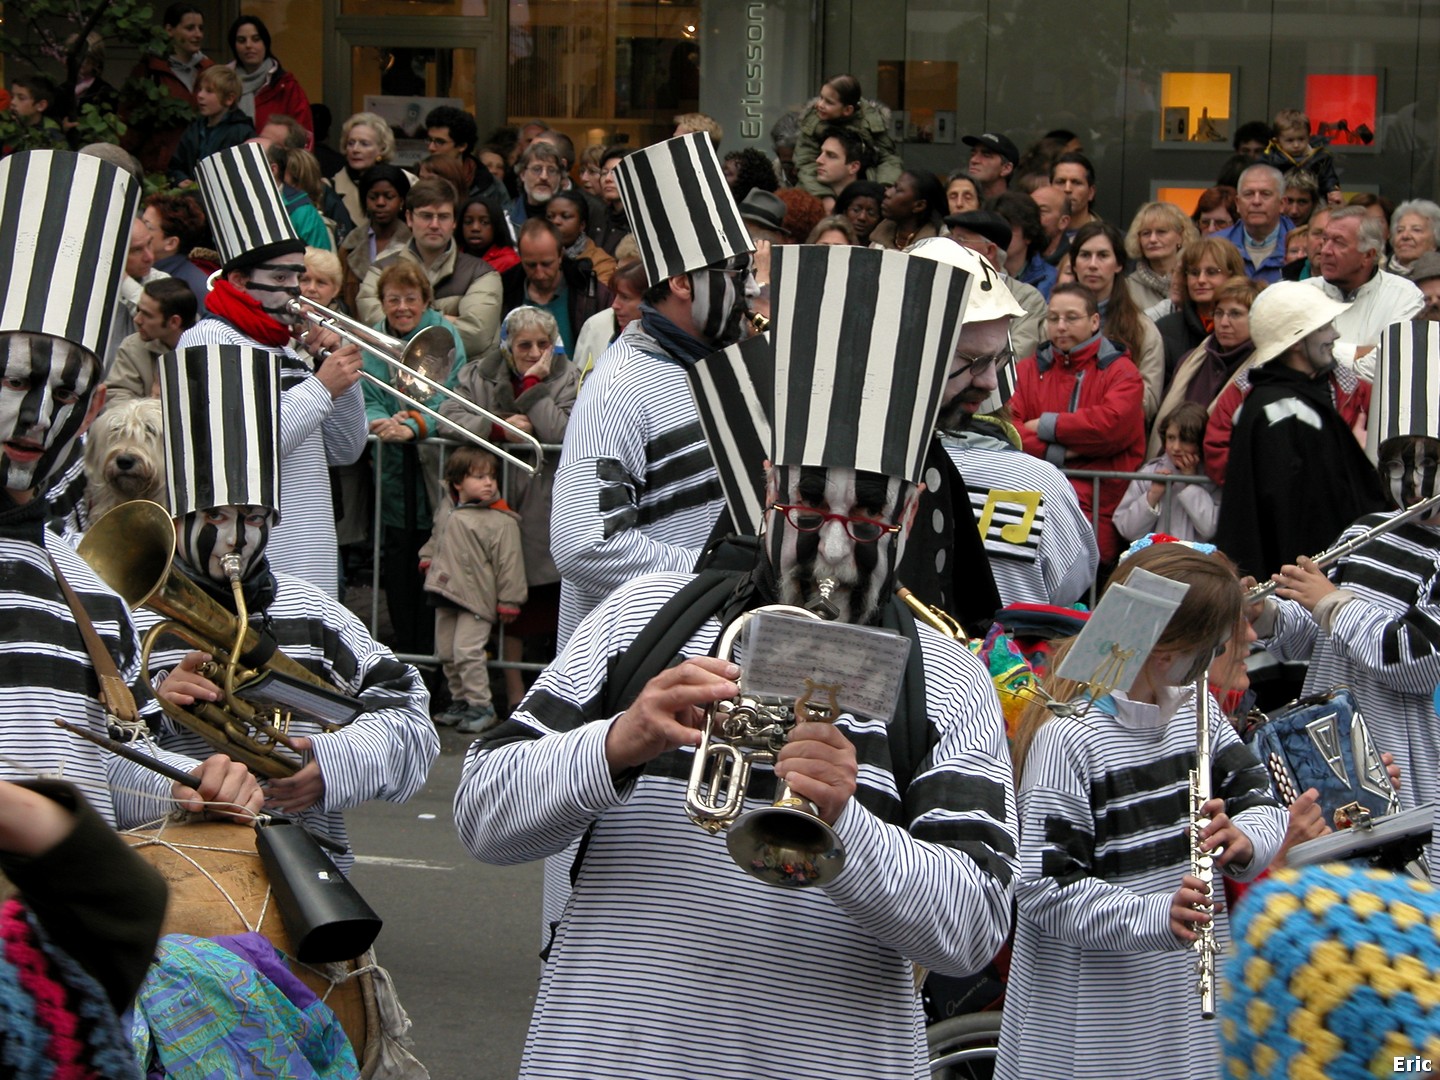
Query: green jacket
x,y
403,502
869,123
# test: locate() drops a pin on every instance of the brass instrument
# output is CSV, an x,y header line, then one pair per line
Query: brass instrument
x,y
1330,556
421,367
932,616
132,549
759,323
786,843
1202,863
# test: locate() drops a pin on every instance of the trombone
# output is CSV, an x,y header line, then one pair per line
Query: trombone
x,y
421,367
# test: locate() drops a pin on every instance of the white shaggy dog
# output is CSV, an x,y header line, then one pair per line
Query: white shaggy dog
x,y
124,457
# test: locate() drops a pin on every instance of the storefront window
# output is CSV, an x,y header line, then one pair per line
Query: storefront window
x,y
605,66
477,8
402,85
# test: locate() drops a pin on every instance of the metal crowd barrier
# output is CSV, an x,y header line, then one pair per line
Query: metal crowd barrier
x,y
432,660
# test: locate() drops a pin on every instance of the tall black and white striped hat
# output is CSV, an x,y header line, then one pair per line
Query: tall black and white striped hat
x,y
67,220
862,341
680,208
1406,396
247,214
734,390
222,427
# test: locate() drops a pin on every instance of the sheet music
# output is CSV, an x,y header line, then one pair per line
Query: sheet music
x,y
1122,630
865,664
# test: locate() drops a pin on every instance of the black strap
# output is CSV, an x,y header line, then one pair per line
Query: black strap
x,y
909,730
657,646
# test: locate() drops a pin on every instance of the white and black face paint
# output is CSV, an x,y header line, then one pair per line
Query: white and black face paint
x,y
719,299
863,573
274,283
205,537
1410,470
45,393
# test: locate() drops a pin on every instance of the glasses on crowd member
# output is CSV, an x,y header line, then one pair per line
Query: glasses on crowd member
x,y
1217,221
542,170
429,217
1204,271
1064,318
808,519
979,365
1231,313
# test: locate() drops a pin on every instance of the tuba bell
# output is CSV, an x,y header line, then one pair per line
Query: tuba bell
x,y
132,549
787,843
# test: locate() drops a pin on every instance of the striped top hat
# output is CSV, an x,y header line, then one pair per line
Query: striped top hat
x,y
680,208
1406,397
246,212
734,390
222,427
862,342
67,220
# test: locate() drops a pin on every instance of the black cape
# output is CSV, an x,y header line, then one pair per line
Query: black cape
x,y
1295,479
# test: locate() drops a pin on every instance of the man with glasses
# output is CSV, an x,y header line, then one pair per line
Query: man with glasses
x,y
468,291
542,173
1039,545
449,130
1079,404
920,795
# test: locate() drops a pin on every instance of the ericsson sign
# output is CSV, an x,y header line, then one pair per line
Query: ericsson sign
x,y
752,103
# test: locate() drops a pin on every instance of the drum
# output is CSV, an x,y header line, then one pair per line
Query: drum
x,y
218,886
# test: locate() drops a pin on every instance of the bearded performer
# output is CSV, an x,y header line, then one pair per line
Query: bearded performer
x,y
323,421
222,439
67,218
1372,620
661,916
1041,546
635,492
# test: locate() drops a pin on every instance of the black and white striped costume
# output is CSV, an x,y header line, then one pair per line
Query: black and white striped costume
x,y
45,673
636,491
662,922
1385,646
1040,544
1099,986
385,753
316,432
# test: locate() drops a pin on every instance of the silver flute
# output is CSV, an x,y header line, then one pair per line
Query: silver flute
x,y
1202,863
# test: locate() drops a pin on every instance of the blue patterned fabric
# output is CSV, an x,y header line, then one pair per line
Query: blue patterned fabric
x,y
205,1014
1336,975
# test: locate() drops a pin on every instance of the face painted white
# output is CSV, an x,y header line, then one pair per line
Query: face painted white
x,y
863,573
718,300
1411,473
205,537
273,283
1318,347
45,394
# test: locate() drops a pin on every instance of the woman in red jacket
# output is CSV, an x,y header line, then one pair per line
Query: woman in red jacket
x,y
1079,404
267,89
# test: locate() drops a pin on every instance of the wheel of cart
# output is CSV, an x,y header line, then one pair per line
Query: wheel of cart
x,y
964,1047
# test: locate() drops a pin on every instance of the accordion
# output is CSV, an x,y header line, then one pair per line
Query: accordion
x,y
1323,742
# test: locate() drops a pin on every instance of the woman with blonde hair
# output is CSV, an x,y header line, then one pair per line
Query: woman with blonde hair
x,y
1205,265
1158,233
365,140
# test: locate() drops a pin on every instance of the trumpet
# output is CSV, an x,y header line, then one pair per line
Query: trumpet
x,y
1330,556
786,843
421,367
132,549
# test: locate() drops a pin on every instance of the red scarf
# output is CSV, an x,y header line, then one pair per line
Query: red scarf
x,y
243,311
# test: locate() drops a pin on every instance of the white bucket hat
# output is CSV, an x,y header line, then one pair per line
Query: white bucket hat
x,y
989,298
1284,314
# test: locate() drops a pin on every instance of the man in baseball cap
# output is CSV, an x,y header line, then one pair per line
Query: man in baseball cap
x,y
993,158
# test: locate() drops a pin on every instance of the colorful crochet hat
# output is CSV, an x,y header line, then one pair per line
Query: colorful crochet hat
x,y
1335,974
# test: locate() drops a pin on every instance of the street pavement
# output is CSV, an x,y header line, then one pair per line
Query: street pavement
x,y
460,938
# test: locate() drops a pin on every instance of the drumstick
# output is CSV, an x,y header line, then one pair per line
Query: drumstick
x,y
180,776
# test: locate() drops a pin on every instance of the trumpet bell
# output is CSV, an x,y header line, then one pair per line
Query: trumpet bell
x,y
786,845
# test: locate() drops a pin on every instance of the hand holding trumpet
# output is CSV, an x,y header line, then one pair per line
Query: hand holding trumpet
x,y
669,712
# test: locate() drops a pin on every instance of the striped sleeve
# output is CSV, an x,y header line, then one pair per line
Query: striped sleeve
x,y
1059,890
345,428
1294,633
304,407
940,892
1240,779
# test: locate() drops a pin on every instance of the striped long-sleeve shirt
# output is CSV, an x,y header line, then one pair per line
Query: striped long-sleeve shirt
x,y
636,492
316,431
1099,985
1385,646
46,673
662,921
1041,545
386,753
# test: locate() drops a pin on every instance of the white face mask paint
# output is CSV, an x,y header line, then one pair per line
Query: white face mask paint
x,y
275,282
205,537
1411,472
718,300
1318,347
863,573
45,394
